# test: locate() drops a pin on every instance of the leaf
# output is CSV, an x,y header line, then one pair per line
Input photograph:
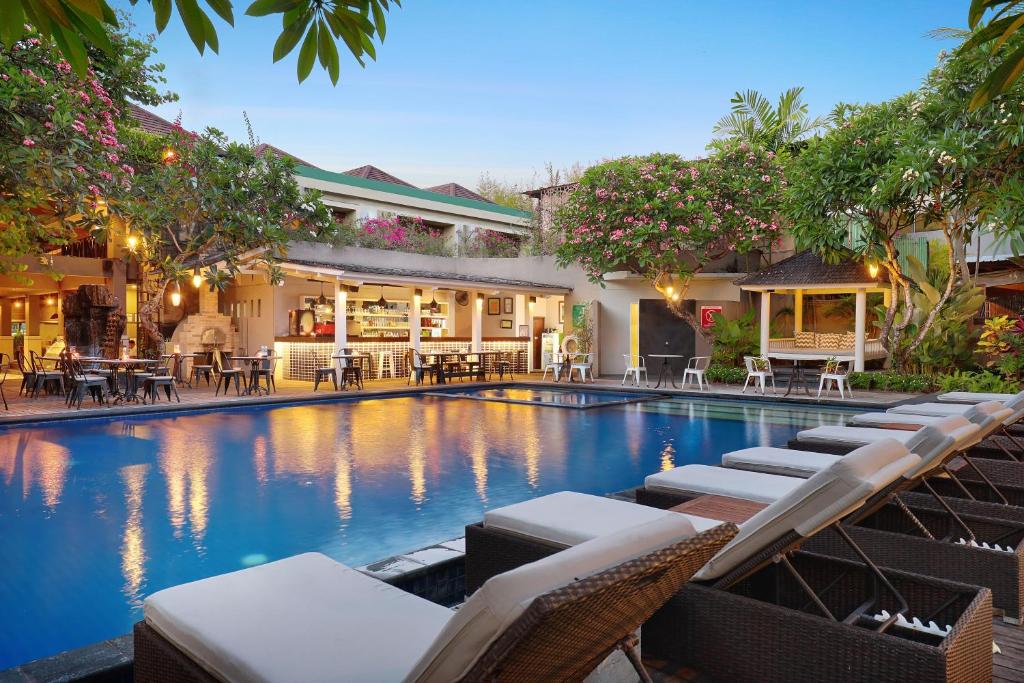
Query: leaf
x,y
94,8
223,10
55,11
91,29
307,53
290,36
999,80
162,14
378,19
211,33
262,8
323,40
71,46
192,17
333,65
12,22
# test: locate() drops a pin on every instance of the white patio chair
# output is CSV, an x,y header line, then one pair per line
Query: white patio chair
x,y
835,373
555,366
759,368
640,368
583,364
695,368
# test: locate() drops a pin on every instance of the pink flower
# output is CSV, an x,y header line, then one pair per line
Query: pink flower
x,y
79,169
28,142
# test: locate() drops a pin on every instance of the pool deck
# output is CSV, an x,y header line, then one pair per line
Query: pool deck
x,y
27,410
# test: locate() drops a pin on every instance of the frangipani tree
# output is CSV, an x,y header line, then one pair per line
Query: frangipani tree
x,y
204,206
59,140
667,219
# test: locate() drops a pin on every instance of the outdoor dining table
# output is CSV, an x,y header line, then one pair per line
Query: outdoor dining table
x,y
799,373
128,366
440,360
253,384
666,368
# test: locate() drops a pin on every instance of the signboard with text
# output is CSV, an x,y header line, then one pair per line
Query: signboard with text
x,y
705,315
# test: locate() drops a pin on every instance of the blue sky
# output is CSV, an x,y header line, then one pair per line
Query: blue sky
x,y
466,87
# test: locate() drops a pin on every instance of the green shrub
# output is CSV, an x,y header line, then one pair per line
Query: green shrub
x,y
861,380
724,374
733,338
892,381
983,381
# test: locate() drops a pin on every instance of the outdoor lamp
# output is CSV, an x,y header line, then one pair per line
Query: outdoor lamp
x,y
873,269
169,156
197,279
133,242
176,295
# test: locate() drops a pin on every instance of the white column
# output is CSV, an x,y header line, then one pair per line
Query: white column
x,y
340,317
478,321
861,319
798,311
415,305
766,317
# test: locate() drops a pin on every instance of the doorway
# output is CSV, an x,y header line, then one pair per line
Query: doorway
x,y
535,339
662,332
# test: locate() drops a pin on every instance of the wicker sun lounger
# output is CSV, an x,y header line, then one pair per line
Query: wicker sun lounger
x,y
764,611
310,619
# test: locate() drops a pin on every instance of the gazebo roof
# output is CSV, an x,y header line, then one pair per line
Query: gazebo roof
x,y
808,269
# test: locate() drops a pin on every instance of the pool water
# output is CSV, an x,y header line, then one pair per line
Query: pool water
x,y
562,398
97,514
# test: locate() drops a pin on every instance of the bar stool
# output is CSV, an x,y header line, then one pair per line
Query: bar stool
x,y
385,363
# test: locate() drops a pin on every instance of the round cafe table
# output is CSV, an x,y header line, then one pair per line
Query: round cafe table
x,y
129,366
666,368
253,385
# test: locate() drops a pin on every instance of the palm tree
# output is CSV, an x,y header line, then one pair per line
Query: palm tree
x,y
1006,20
776,128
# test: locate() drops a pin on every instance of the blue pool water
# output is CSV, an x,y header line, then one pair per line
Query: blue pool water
x,y
97,514
561,397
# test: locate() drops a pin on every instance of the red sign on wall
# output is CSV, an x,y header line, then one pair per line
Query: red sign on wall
x,y
705,315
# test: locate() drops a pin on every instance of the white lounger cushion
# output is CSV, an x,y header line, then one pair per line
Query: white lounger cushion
x,y
984,414
877,419
838,435
782,461
937,409
708,480
816,503
973,397
569,518
503,598
305,618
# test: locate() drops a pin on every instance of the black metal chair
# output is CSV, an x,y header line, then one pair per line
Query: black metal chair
x,y
265,371
5,364
82,381
418,367
352,373
154,382
224,371
28,375
322,374
44,376
505,364
202,366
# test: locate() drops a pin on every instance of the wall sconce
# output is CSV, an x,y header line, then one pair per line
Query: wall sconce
x,y
133,242
479,300
872,269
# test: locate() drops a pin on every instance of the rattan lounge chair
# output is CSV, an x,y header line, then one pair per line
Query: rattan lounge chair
x,y
309,618
930,539
761,610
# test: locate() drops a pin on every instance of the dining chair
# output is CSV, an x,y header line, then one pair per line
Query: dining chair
x,y
225,372
583,363
695,368
635,370
835,372
202,366
5,364
759,368
28,375
266,370
44,375
83,381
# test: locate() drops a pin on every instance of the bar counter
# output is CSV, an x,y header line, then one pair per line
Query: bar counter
x,y
301,356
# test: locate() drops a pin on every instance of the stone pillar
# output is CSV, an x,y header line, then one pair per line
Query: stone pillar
x,y
340,316
478,320
208,301
766,317
859,331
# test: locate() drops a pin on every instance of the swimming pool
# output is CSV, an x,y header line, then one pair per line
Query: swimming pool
x,y
97,514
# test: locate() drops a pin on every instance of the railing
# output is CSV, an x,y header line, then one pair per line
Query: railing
x,y
872,347
85,248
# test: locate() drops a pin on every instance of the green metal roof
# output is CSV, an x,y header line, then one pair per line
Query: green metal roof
x,y
341,178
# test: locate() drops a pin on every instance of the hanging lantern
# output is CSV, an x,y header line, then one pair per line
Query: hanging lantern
x,y
197,279
321,300
434,306
872,269
176,295
382,302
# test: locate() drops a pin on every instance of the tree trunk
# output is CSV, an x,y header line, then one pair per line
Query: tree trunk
x,y
675,302
148,311
948,292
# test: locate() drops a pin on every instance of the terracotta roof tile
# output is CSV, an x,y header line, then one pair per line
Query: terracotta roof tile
x,y
807,268
456,190
278,152
373,173
150,122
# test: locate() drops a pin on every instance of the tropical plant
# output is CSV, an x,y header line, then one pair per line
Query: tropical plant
x,y
733,338
977,382
394,233
199,200
666,218
1004,22
59,140
78,25
483,243
993,342
725,374
757,122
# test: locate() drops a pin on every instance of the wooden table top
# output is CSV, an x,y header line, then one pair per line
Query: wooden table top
x,y
722,508
902,426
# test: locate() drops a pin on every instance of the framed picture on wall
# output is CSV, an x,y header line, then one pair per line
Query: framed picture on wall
x,y
493,306
524,330
510,305
707,315
506,324
561,312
